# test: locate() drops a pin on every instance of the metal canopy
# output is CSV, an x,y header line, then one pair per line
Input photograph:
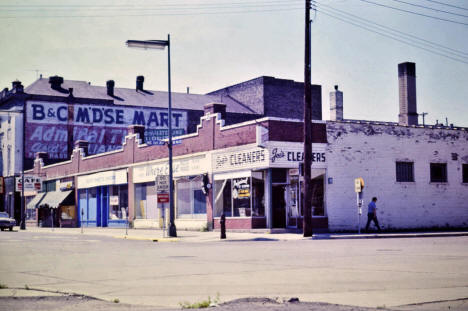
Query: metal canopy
x,y
54,198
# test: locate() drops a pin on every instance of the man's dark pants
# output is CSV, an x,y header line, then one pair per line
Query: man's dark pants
x,y
370,217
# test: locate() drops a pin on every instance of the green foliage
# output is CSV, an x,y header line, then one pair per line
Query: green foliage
x,y
196,305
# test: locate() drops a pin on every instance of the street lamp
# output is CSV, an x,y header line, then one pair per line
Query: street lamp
x,y
161,45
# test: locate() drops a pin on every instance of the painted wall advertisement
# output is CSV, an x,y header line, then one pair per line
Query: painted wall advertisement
x,y
50,126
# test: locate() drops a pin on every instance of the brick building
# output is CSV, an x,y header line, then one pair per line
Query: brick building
x,y
59,112
418,172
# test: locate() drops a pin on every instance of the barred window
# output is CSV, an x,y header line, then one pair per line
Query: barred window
x,y
438,172
465,173
404,172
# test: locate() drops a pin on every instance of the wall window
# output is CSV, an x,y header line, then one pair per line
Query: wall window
x,y
438,172
240,197
118,202
223,201
465,172
191,202
404,172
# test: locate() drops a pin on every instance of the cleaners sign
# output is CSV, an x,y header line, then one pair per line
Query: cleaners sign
x,y
51,126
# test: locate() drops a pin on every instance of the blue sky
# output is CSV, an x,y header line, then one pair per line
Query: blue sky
x,y
216,43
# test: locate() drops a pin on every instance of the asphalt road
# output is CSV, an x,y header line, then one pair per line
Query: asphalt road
x,y
375,273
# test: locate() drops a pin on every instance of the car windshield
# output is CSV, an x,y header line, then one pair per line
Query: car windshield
x,y
2,214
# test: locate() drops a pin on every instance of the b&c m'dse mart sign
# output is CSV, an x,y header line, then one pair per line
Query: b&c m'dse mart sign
x,y
51,126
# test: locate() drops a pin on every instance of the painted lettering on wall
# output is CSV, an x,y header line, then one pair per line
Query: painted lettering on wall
x,y
240,159
295,156
50,126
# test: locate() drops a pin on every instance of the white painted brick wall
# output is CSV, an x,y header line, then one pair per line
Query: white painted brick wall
x,y
370,151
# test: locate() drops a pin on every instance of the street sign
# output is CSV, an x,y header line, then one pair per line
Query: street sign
x,y
358,184
163,197
162,183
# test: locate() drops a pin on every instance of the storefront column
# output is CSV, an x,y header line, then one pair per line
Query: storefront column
x,y
131,195
268,203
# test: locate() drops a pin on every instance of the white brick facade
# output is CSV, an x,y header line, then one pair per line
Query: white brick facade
x,y
371,151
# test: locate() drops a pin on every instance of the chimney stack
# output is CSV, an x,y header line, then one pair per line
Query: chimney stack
x,y
139,83
407,85
82,144
336,105
110,87
56,82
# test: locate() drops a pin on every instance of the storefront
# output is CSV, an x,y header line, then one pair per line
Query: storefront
x,y
190,201
103,199
240,188
262,187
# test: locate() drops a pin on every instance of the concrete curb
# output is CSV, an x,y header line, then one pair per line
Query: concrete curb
x,y
388,235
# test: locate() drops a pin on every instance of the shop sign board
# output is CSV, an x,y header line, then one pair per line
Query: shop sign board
x,y
238,160
103,179
180,167
114,200
290,155
50,126
31,183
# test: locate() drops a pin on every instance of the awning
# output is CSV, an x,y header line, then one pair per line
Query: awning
x,y
35,201
54,198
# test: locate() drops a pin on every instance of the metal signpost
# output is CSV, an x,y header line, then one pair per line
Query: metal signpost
x,y
162,189
358,187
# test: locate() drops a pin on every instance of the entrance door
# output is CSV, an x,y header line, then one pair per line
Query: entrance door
x,y
293,207
279,206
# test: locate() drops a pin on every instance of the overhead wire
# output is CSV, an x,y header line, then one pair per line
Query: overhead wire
x,y
449,5
415,13
458,58
429,8
184,11
424,41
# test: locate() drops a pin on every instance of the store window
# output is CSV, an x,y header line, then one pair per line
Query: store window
x,y
240,197
118,202
438,172
404,172
223,199
146,205
191,201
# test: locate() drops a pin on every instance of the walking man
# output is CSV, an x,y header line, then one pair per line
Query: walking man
x,y
372,214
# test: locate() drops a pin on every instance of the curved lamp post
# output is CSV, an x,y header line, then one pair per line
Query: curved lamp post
x,y
161,45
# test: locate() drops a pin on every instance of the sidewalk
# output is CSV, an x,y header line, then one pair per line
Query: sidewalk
x,y
157,235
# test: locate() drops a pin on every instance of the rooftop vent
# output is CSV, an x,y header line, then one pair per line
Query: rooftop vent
x,y
110,87
139,83
56,82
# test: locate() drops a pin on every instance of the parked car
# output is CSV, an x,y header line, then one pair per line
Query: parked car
x,y
6,221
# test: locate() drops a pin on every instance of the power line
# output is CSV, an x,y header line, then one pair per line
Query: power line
x,y
405,41
450,5
416,13
429,8
426,42
158,14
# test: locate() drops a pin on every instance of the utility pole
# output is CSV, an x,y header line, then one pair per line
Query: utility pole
x,y
423,115
307,220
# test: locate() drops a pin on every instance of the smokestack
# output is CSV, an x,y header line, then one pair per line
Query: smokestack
x,y
110,87
17,86
407,85
336,105
56,82
139,83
